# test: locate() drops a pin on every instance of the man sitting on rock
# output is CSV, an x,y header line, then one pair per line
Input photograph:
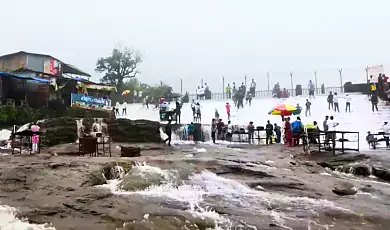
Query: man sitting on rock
x,y
371,140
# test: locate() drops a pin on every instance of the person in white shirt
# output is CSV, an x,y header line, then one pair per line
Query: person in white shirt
x,y
386,129
124,108
201,92
198,93
332,128
348,103
336,102
229,133
117,105
193,105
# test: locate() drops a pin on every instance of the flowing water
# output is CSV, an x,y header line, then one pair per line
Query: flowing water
x,y
201,193
361,119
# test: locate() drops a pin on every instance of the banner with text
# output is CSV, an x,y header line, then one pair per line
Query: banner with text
x,y
83,101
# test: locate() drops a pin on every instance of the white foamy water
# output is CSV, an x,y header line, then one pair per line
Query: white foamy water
x,y
196,191
8,221
361,119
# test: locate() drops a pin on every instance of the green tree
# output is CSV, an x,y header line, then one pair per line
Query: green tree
x,y
121,65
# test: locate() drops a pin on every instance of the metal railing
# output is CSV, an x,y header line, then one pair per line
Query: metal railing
x,y
268,93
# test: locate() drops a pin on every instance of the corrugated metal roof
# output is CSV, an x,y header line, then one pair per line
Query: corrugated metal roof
x,y
4,74
67,68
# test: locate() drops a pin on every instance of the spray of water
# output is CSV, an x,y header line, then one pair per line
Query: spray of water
x,y
198,187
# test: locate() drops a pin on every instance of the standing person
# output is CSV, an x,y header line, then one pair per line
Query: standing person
x,y
336,102
198,113
35,138
386,129
124,109
250,98
325,124
213,129
311,89
227,106
251,131
228,91
332,130
326,129
191,131
269,129
117,105
308,105
168,131
288,132
252,89
374,101
296,127
348,103
229,131
278,133
216,114
193,105
178,111
330,100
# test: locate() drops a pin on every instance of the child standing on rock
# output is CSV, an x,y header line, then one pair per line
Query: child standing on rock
x,y
35,138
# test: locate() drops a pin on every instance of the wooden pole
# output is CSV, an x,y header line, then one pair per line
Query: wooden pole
x,y
341,78
223,87
268,80
315,78
292,85
181,86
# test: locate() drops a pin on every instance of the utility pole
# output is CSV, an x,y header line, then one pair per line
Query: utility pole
x,y
268,81
367,73
292,86
201,82
315,78
181,86
341,78
245,80
223,87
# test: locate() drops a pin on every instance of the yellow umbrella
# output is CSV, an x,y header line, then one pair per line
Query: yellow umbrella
x,y
126,92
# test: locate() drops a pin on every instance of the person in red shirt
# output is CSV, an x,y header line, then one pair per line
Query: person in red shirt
x,y
228,110
288,132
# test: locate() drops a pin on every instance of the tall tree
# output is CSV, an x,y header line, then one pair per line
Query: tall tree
x,y
121,65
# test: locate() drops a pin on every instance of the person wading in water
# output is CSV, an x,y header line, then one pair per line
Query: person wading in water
x,y
330,100
168,131
336,102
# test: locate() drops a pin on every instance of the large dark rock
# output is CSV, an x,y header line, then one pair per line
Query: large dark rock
x,y
130,151
344,189
64,130
381,173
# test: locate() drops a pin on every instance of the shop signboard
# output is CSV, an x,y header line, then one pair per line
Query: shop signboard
x,y
84,101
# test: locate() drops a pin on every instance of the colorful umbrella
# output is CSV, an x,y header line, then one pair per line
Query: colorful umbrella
x,y
126,92
283,110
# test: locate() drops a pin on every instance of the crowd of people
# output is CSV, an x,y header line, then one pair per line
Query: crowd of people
x,y
238,95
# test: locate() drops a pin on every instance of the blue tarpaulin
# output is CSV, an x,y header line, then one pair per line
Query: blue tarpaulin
x,y
40,80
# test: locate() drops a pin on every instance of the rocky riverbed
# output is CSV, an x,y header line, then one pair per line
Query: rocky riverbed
x,y
199,187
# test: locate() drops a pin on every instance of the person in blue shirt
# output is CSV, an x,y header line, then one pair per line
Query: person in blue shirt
x,y
296,130
190,131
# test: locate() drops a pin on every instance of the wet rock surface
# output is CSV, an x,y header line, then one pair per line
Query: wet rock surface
x,y
267,189
64,130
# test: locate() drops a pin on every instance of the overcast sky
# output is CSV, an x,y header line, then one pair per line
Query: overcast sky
x,y
209,38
